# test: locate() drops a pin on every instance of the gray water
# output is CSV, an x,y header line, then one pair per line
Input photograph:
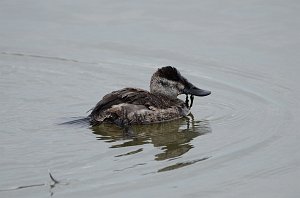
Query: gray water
x,y
59,58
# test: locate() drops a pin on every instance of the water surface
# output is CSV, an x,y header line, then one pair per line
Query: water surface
x,y
59,58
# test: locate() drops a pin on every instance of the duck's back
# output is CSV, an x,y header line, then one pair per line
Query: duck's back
x,y
135,106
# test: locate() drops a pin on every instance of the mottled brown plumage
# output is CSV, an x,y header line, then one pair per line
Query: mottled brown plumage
x,y
137,106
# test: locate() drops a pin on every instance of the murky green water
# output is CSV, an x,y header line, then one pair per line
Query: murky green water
x,y
59,58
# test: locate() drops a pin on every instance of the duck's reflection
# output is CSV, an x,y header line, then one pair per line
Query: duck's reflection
x,y
173,138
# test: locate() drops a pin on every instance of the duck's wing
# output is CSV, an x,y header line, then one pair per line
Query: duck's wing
x,y
129,96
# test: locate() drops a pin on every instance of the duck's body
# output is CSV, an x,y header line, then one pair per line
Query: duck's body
x,y
137,106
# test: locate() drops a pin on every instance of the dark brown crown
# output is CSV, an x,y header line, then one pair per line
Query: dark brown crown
x,y
171,73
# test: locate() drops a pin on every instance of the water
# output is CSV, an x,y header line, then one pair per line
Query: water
x,y
58,58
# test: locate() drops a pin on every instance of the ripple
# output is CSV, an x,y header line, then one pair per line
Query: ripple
x,y
236,104
43,57
181,164
240,118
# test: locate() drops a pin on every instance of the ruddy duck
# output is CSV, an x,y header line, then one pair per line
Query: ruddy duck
x,y
137,106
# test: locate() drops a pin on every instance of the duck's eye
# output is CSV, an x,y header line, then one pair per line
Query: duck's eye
x,y
163,83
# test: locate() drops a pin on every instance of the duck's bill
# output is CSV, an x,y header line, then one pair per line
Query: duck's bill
x,y
196,91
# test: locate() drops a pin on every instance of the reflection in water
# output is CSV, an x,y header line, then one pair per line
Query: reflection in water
x,y
173,137
180,165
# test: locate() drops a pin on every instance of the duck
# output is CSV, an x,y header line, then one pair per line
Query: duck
x,y
135,106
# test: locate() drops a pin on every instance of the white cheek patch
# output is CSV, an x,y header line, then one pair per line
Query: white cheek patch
x,y
167,87
174,88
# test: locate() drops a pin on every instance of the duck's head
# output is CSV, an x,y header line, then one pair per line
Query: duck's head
x,y
169,82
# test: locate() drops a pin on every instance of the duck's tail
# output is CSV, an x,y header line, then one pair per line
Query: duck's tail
x,y
81,121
